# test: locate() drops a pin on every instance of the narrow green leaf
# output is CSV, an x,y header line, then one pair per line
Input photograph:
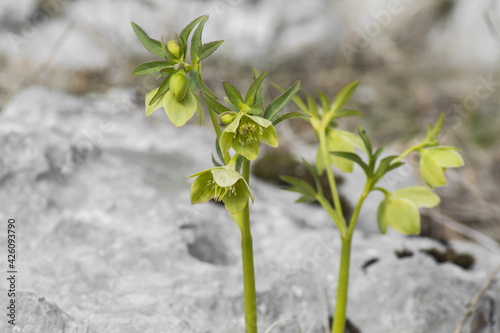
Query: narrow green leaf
x,y
343,96
355,158
315,175
347,113
150,67
183,37
281,101
259,97
196,41
239,163
216,106
438,126
231,105
233,95
366,140
254,88
167,71
325,101
374,158
218,150
203,87
305,199
312,105
152,45
278,119
255,109
162,90
299,183
207,49
296,99
394,166
215,162
384,166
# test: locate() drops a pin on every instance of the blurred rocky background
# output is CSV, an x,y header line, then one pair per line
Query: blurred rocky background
x,y
108,241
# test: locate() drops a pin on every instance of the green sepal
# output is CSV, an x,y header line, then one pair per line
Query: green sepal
x,y
254,88
150,108
446,157
150,67
400,214
152,45
343,96
421,196
281,101
207,49
179,112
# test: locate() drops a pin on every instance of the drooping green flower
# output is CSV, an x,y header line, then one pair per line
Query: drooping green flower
x,y
244,134
435,160
178,111
343,141
221,184
399,209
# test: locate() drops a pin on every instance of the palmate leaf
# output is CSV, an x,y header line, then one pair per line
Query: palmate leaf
x,y
152,45
281,101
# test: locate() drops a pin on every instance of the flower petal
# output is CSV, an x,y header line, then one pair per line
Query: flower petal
x,y
200,191
226,141
446,157
225,177
237,201
179,112
249,150
269,136
421,196
402,215
431,171
260,121
156,105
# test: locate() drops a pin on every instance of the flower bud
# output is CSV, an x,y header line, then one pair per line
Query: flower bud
x,y
173,47
226,118
179,85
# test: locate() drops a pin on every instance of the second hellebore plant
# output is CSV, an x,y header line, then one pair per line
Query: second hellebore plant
x,y
399,208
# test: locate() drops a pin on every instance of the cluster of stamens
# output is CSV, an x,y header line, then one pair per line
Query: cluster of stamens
x,y
245,133
221,192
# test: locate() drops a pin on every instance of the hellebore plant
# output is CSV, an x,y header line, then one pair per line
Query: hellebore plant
x,y
399,208
243,123
241,126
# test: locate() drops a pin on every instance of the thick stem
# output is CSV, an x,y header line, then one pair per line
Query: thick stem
x,y
343,284
248,267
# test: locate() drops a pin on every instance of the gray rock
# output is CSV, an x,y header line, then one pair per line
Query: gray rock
x,y
107,235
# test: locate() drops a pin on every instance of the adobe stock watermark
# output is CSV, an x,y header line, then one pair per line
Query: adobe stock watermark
x,y
221,7
30,26
364,36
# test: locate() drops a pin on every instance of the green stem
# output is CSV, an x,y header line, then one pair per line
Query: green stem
x,y
409,150
218,131
325,155
343,284
248,267
345,255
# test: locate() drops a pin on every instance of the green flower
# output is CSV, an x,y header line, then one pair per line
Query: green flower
x,y
338,140
244,134
178,111
221,184
399,209
435,160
